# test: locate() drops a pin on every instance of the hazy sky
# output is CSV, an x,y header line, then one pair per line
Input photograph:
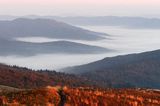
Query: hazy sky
x,y
80,7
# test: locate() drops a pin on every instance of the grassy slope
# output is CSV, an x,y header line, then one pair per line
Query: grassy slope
x,y
82,96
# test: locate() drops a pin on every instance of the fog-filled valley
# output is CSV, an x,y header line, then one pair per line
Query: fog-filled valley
x,y
79,53
118,40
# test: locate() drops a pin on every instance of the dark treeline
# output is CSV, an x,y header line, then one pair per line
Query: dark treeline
x,y
21,77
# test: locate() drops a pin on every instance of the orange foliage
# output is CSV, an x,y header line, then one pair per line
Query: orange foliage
x,y
111,97
81,96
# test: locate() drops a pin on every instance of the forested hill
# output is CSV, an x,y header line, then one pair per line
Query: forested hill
x,y
25,78
134,70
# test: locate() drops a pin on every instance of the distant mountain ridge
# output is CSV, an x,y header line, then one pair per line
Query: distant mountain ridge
x,y
134,70
23,27
47,28
12,47
126,22
122,21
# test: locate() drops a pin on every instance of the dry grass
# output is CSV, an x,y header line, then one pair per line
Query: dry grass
x,y
58,96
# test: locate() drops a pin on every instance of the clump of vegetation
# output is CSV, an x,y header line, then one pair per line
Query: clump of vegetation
x,y
34,97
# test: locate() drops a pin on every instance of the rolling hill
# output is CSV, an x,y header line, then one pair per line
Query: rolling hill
x,y
134,70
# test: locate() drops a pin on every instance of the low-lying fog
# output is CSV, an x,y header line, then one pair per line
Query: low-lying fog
x,y
124,41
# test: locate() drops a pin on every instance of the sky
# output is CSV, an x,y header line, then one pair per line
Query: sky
x,y
149,8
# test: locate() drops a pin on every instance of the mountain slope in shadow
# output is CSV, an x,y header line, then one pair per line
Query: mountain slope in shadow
x,y
134,70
